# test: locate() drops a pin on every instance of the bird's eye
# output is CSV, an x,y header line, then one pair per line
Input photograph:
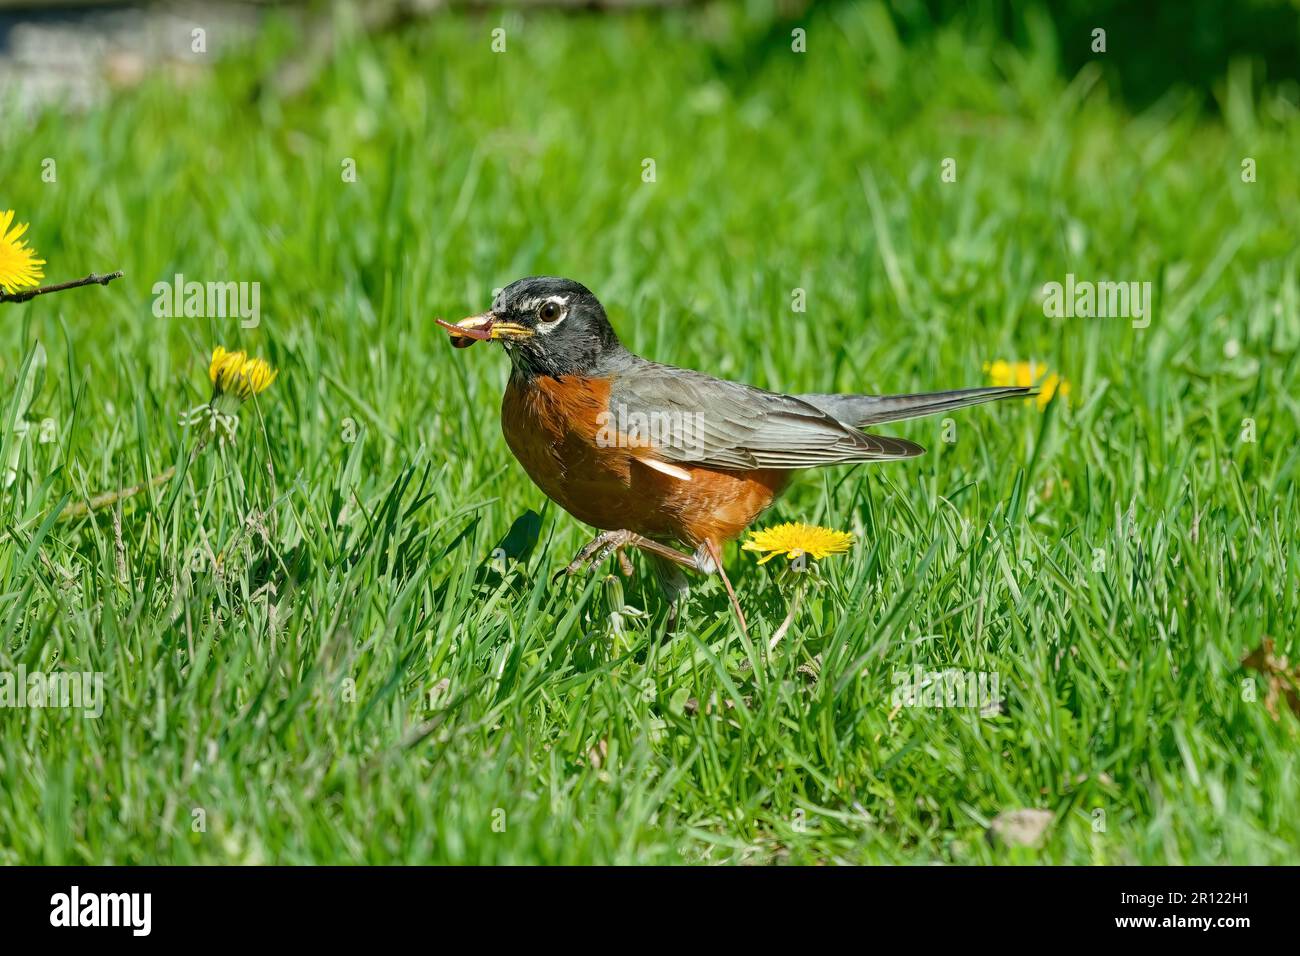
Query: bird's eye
x,y
549,312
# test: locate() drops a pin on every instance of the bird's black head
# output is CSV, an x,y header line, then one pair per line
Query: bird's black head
x,y
549,326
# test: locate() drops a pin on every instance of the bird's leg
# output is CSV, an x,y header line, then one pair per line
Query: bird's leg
x,y
675,585
613,542
715,553
707,559
667,552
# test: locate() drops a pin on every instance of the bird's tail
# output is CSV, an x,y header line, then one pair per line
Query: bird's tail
x,y
863,410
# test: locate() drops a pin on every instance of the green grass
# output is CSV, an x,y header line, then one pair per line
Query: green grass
x,y
1111,559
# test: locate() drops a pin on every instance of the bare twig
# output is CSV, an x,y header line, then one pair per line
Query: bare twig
x,y
92,279
78,508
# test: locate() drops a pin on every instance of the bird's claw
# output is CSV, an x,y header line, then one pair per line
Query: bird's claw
x,y
596,551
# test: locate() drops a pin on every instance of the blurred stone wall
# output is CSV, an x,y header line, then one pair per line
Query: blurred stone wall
x,y
73,55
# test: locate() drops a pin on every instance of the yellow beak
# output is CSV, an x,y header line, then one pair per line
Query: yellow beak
x,y
486,326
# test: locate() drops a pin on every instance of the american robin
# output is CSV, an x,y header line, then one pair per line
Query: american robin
x,y
657,456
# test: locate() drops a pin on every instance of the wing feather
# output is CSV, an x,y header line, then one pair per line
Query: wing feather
x,y
687,417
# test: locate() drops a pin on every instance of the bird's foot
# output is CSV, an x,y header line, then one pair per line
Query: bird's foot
x,y
597,550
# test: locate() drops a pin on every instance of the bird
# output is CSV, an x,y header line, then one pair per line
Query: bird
x,y
660,458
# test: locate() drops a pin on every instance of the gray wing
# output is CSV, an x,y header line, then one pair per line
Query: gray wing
x,y
863,410
687,417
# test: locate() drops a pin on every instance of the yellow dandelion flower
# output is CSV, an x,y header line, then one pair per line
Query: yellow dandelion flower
x,y
1026,374
19,267
795,540
234,373
258,376
235,379
224,368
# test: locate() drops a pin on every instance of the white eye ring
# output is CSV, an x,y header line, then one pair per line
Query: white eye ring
x,y
557,308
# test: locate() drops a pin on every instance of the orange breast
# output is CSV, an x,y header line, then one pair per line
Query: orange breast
x,y
557,428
